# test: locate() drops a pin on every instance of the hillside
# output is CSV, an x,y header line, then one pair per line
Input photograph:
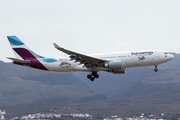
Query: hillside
x,y
25,86
167,103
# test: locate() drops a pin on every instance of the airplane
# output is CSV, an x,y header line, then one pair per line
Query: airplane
x,y
111,62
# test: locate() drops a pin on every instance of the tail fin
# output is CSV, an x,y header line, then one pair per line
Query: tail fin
x,y
21,51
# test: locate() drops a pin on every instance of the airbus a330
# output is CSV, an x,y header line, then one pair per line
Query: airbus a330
x,y
111,62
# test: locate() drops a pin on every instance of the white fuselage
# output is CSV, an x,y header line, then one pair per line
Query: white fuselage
x,y
110,62
128,59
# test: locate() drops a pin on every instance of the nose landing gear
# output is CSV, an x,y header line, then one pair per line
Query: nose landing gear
x,y
155,69
92,76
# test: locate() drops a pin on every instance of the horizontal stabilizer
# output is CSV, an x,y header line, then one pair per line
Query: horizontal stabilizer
x,y
24,62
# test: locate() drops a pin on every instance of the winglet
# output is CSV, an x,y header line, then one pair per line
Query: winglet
x,y
62,49
57,46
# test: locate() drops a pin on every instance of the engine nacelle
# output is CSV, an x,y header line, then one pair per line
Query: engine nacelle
x,y
119,71
113,65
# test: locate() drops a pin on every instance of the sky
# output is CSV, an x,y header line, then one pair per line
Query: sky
x,y
90,26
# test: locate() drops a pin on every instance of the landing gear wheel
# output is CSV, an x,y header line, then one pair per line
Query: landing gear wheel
x,y
155,69
88,76
91,78
95,74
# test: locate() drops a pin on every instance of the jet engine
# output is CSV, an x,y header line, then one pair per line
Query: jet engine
x,y
113,65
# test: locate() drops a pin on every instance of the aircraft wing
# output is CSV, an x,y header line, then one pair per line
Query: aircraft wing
x,y
88,61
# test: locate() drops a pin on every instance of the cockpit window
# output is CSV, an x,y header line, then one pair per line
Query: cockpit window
x,y
166,53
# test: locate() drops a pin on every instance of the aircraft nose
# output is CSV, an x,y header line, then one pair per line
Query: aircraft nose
x,y
171,56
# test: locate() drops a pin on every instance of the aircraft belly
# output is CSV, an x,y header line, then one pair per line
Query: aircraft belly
x,y
82,68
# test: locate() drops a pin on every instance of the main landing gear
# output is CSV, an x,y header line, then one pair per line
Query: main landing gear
x,y
92,76
155,69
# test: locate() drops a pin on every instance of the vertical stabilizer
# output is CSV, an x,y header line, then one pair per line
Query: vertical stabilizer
x,y
21,51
